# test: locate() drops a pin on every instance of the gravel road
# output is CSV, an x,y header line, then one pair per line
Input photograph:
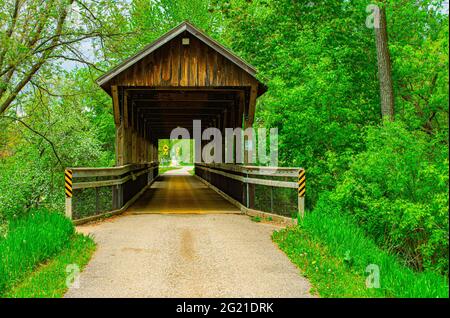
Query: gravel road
x,y
187,255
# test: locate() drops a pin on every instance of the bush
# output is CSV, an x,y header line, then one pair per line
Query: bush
x,y
334,253
398,192
31,240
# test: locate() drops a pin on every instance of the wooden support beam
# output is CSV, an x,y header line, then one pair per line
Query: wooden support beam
x,y
125,109
180,108
248,123
182,101
119,145
240,110
224,125
116,106
250,116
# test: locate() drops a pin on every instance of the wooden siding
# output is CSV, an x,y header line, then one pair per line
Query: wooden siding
x,y
177,65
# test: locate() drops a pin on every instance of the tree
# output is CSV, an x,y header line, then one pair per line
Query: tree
x,y
36,33
384,64
418,42
55,133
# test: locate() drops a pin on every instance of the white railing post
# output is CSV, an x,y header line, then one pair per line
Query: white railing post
x,y
69,208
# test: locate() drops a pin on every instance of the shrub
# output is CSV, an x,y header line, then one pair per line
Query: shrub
x,y
398,192
334,253
31,240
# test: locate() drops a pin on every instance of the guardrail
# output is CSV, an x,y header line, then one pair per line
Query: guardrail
x,y
95,192
279,191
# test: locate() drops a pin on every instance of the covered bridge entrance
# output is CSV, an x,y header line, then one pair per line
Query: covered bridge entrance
x,y
181,78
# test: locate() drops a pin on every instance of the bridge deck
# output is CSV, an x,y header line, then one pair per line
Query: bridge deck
x,y
178,192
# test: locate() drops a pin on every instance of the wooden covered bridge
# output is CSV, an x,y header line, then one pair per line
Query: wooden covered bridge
x,y
181,77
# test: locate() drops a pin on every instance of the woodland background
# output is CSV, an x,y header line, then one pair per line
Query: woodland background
x,y
318,59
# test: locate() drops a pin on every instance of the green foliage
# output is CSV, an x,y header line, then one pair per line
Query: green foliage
x,y
31,240
148,20
420,63
333,252
319,62
49,280
398,191
81,131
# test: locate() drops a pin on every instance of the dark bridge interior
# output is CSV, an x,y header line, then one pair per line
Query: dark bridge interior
x,y
164,110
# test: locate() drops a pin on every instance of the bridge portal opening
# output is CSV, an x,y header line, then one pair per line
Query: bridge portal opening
x,y
176,152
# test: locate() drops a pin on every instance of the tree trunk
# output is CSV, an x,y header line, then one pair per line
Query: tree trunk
x,y
384,68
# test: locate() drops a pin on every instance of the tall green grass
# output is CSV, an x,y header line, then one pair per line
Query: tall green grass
x,y
31,240
49,279
334,253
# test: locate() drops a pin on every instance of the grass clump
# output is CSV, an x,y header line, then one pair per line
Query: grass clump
x,y
334,254
163,170
49,279
256,219
31,240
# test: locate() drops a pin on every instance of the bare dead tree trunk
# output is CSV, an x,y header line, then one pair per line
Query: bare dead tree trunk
x,y
384,68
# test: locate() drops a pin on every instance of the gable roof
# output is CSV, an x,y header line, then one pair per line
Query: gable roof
x,y
185,26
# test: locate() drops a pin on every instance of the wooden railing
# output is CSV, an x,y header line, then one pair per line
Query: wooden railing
x,y
274,190
95,192
92,193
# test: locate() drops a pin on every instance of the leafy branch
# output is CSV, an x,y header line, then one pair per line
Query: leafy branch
x,y
37,133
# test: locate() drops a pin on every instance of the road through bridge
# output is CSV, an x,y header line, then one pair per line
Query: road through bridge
x,y
183,233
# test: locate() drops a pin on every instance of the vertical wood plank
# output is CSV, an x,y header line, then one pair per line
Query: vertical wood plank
x,y
157,68
201,65
119,145
175,61
127,146
184,64
125,129
138,148
210,65
241,107
125,109
252,105
215,68
133,147
116,106
193,64
223,74
166,71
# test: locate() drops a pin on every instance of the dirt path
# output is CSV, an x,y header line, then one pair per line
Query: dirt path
x,y
221,255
